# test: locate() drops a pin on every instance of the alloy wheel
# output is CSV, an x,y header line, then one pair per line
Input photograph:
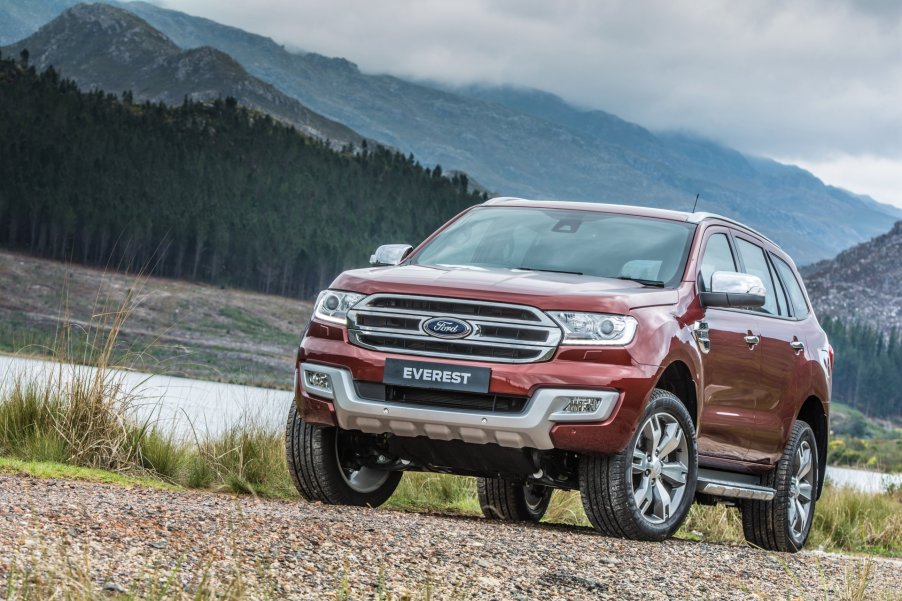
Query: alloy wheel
x,y
659,469
801,490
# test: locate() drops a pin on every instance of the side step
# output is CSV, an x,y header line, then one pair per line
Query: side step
x,y
734,486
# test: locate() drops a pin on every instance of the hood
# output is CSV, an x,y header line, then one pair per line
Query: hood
x,y
543,290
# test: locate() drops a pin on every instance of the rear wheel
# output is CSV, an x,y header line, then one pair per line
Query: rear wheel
x,y
502,499
645,491
784,522
322,465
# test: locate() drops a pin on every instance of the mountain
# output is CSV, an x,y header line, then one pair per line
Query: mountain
x,y
530,143
104,47
861,283
19,18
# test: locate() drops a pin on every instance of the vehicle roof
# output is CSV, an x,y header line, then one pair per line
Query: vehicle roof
x,y
683,216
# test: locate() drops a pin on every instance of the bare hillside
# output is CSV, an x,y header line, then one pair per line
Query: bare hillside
x,y
177,328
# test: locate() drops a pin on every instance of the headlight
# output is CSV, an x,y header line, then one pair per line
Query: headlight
x,y
595,328
333,305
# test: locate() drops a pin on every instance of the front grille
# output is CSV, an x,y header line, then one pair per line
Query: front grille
x,y
489,403
500,332
447,306
436,346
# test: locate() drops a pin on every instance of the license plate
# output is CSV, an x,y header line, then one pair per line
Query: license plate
x,y
442,376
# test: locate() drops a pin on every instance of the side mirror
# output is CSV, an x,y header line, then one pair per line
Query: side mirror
x,y
390,254
733,289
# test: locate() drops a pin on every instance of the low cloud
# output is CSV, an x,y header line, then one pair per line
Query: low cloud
x,y
813,79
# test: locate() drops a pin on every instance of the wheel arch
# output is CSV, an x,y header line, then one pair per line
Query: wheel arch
x,y
812,413
677,379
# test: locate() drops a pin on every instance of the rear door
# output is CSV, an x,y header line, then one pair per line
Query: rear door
x,y
779,356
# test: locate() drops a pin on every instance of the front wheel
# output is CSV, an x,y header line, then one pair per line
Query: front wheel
x,y
322,466
645,491
502,499
783,523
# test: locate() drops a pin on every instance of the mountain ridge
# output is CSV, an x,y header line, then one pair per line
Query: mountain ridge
x,y
861,283
104,47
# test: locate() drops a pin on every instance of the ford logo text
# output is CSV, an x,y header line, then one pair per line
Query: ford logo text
x,y
447,327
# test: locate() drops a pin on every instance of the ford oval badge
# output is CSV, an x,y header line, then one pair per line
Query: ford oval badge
x,y
447,327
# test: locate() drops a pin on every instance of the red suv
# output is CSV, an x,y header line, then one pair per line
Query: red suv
x,y
644,357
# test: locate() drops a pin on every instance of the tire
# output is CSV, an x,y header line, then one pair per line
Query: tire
x,y
502,499
312,453
784,522
609,485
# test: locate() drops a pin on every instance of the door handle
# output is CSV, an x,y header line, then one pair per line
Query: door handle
x,y
752,339
797,345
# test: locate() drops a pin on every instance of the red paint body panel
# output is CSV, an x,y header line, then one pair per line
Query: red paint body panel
x,y
747,396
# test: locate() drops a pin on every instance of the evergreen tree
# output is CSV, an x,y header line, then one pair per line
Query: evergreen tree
x,y
212,192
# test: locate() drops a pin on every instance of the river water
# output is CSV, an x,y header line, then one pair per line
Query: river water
x,y
182,406
190,408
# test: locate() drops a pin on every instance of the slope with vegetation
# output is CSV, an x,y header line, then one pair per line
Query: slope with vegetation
x,y
213,192
177,328
868,367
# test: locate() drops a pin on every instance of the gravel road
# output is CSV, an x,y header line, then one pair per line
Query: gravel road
x,y
131,538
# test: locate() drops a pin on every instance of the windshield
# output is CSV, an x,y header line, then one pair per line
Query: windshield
x,y
652,251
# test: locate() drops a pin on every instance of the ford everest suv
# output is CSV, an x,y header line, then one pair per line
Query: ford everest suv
x,y
644,357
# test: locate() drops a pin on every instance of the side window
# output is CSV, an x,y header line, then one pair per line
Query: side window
x,y
794,290
782,304
717,257
756,264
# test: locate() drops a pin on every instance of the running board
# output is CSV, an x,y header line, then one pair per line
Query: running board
x,y
733,486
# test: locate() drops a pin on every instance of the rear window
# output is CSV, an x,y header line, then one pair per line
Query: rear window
x,y
793,288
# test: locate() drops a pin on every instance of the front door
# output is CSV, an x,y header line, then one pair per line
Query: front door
x,y
730,361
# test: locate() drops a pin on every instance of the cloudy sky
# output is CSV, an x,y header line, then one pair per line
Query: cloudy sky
x,y
812,82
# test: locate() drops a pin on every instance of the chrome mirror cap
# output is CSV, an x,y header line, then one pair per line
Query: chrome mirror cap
x,y
390,254
734,289
733,282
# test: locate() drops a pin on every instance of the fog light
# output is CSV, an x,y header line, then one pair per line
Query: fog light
x,y
570,405
318,380
582,404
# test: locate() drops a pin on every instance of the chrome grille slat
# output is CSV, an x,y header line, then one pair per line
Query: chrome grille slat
x,y
446,306
394,323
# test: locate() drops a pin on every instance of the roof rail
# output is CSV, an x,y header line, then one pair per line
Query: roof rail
x,y
701,216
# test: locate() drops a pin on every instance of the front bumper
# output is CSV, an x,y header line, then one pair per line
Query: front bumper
x,y
575,367
530,428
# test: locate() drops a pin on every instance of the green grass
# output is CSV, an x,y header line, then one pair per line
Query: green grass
x,y
82,421
62,471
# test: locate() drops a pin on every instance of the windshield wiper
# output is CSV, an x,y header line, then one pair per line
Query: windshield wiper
x,y
655,283
549,270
